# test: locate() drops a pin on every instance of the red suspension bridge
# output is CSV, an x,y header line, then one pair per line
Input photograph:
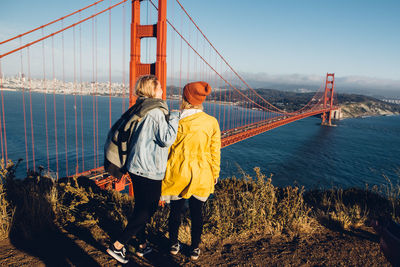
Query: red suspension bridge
x,y
74,80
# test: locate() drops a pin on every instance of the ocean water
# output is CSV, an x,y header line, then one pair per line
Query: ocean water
x,y
354,153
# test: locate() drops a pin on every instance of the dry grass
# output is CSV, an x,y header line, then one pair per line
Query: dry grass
x,y
249,204
35,202
392,193
6,211
345,209
85,207
5,216
246,205
347,213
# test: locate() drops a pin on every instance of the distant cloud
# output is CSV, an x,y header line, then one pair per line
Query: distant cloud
x,y
369,83
349,84
286,79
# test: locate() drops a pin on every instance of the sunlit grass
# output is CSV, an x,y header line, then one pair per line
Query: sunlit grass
x,y
248,204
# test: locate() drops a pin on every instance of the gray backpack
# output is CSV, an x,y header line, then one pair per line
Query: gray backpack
x,y
119,136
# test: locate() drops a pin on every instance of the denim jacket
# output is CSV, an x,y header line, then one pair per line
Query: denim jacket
x,y
148,151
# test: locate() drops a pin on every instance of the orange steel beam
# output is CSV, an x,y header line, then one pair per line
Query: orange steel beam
x,y
328,98
161,63
106,181
138,31
331,98
135,50
238,134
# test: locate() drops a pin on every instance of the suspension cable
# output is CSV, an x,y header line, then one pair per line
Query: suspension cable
x,y
59,31
52,22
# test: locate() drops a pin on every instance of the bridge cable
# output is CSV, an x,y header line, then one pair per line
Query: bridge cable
x,y
24,110
96,95
224,58
1,128
81,87
75,108
30,108
109,59
4,120
123,57
52,22
55,107
93,85
208,64
65,112
45,104
59,31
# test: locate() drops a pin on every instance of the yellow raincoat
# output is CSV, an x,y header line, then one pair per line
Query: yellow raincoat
x,y
194,159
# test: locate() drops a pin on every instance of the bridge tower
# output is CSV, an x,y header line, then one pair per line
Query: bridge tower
x,y
138,31
328,98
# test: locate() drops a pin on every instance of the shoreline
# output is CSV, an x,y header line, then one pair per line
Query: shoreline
x,y
369,116
347,108
368,109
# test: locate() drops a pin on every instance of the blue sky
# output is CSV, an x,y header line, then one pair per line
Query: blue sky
x,y
312,36
275,41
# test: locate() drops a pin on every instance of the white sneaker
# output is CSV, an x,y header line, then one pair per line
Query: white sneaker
x,y
118,254
195,254
175,248
144,249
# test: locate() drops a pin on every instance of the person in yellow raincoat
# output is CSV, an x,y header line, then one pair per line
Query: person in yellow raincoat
x,y
193,165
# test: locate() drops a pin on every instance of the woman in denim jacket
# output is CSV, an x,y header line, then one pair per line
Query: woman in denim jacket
x,y
146,162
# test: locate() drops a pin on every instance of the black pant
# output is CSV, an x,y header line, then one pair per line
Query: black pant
x,y
147,193
196,215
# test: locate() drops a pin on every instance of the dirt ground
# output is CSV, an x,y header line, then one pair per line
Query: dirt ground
x,y
325,248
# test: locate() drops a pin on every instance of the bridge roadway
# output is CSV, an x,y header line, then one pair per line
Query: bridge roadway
x,y
238,134
229,137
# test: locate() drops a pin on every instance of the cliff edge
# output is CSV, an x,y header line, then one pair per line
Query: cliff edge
x,y
369,108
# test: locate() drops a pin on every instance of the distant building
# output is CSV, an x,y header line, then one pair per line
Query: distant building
x,y
393,101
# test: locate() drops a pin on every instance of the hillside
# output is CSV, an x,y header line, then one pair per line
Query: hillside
x,y
369,108
352,105
71,221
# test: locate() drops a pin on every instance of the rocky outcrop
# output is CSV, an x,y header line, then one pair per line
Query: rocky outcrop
x,y
368,108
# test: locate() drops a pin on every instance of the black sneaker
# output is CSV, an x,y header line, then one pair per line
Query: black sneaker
x,y
118,254
144,249
195,254
175,248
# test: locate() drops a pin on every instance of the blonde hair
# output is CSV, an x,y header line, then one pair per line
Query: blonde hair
x,y
146,86
186,105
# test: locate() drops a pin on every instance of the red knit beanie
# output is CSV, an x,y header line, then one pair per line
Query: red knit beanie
x,y
195,93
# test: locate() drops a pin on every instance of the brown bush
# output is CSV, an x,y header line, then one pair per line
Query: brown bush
x,y
239,205
249,204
